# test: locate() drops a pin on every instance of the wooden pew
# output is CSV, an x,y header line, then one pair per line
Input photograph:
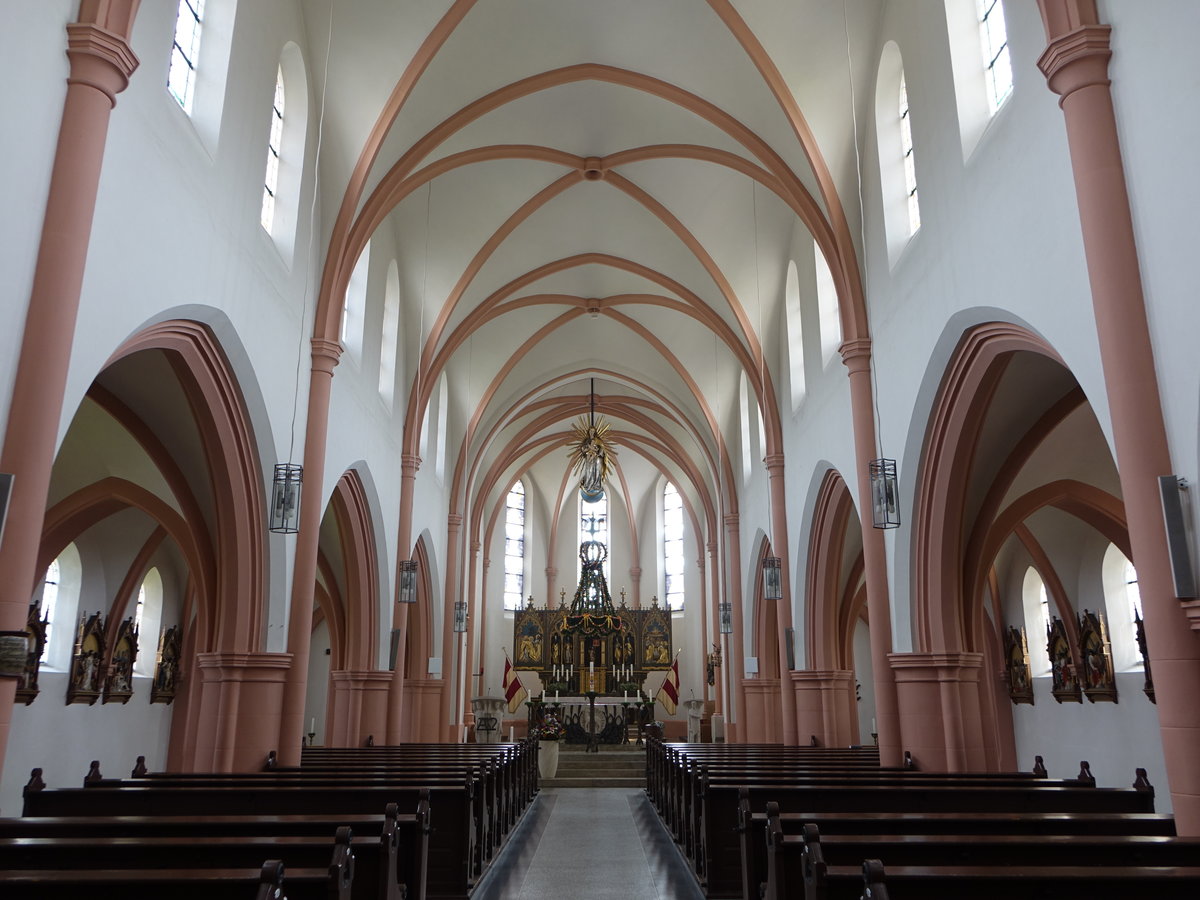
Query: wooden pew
x,y
808,859
1095,882
718,854
752,829
376,865
271,881
449,867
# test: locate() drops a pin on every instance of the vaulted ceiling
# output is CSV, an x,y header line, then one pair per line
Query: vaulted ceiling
x,y
578,190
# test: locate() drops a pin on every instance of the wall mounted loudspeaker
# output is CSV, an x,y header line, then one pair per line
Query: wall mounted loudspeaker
x,y
6,484
1170,489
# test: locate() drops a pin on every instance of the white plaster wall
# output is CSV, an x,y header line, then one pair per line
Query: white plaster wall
x,y
63,739
33,61
1155,85
1110,736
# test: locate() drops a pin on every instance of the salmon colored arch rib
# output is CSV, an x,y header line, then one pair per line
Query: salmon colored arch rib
x,y
348,248
516,408
76,513
853,313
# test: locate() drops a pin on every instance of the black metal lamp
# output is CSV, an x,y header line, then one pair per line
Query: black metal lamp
x,y
408,582
772,578
885,506
460,616
285,498
725,613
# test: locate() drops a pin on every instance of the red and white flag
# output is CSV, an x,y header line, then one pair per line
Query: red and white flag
x,y
668,694
514,691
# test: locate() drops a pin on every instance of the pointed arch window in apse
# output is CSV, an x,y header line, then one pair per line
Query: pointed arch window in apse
x,y
672,538
514,548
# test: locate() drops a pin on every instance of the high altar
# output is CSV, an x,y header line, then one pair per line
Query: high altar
x,y
576,662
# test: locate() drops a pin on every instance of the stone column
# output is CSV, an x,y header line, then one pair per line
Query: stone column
x,y
939,694
857,357
1076,68
476,615
325,355
239,696
551,583
101,63
451,661
733,585
409,464
635,586
825,706
783,608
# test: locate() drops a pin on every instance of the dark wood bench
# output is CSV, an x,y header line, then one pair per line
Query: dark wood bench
x,y
806,859
269,881
752,829
376,854
718,854
450,868
1095,882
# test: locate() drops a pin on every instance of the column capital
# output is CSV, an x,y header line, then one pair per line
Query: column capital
x,y
856,355
325,355
409,463
476,546
732,520
712,547
487,563
774,463
635,571
454,520
1077,59
100,59
551,571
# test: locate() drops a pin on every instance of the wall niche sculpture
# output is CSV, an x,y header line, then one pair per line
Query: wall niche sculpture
x,y
1099,680
87,663
1016,663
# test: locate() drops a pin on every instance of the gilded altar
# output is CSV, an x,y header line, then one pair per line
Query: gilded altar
x,y
608,662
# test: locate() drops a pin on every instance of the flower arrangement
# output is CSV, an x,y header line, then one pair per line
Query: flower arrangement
x,y
550,730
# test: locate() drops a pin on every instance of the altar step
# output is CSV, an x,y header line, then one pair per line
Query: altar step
x,y
607,768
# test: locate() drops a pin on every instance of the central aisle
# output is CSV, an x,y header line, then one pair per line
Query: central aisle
x,y
589,844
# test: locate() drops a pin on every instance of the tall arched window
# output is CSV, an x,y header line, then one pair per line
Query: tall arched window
x,y
354,310
1123,604
910,166
389,340
274,143
50,584
897,162
514,547
672,543
59,604
795,334
185,53
827,307
147,615
997,62
1036,604
593,526
980,63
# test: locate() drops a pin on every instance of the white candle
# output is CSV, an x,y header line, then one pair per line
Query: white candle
x,y
624,695
556,696
510,734
591,668
312,726
872,725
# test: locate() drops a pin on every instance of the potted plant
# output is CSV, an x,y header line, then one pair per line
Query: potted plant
x,y
549,733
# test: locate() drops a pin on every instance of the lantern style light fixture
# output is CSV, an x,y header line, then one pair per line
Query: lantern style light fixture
x,y
725,613
285,498
885,507
460,616
408,581
772,578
